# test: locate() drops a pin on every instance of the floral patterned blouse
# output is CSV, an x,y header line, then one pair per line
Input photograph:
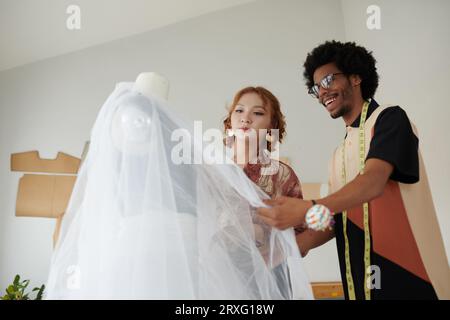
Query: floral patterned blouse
x,y
282,181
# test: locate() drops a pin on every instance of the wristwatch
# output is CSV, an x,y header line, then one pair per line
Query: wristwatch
x,y
319,217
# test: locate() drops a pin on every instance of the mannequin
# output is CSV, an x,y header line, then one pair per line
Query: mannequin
x,y
151,83
131,124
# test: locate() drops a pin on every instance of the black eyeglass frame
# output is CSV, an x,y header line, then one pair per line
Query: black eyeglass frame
x,y
325,83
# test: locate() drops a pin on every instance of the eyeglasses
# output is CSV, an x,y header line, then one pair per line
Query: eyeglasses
x,y
325,83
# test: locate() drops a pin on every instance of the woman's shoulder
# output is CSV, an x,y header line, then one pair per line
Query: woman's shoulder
x,y
281,171
287,180
284,168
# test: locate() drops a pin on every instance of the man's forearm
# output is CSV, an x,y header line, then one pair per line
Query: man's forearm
x,y
362,189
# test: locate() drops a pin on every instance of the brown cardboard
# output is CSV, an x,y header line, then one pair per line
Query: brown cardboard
x,y
31,162
328,290
43,195
57,228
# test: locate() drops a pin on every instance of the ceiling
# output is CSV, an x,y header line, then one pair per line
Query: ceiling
x,y
32,30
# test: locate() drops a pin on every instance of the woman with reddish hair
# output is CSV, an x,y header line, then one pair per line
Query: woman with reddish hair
x,y
254,126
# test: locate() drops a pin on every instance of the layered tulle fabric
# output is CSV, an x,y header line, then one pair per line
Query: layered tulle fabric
x,y
140,225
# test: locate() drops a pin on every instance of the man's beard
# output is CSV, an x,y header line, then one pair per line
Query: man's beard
x,y
345,107
341,112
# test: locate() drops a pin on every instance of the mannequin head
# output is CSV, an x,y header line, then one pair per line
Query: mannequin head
x,y
152,84
131,123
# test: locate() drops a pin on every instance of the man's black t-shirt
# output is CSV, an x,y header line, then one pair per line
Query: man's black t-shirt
x,y
395,142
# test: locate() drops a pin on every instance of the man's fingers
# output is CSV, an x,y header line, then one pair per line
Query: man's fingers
x,y
275,202
270,217
273,222
266,212
270,202
268,220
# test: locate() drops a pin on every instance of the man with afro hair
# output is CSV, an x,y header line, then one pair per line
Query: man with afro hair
x,y
387,234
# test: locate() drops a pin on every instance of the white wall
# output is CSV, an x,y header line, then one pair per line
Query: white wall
x,y
51,105
34,30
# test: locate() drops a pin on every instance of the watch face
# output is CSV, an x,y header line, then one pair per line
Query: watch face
x,y
319,218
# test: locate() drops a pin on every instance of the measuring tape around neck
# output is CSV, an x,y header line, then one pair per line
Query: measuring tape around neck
x,y
348,271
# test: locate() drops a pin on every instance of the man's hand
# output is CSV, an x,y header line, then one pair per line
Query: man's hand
x,y
285,212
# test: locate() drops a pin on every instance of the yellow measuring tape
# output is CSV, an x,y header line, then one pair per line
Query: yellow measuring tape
x,y
348,270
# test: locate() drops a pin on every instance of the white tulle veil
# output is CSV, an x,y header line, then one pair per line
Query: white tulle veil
x,y
139,226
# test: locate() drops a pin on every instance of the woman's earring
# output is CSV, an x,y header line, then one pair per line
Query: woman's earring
x,y
230,132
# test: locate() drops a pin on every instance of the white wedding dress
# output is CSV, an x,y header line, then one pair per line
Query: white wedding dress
x,y
139,226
